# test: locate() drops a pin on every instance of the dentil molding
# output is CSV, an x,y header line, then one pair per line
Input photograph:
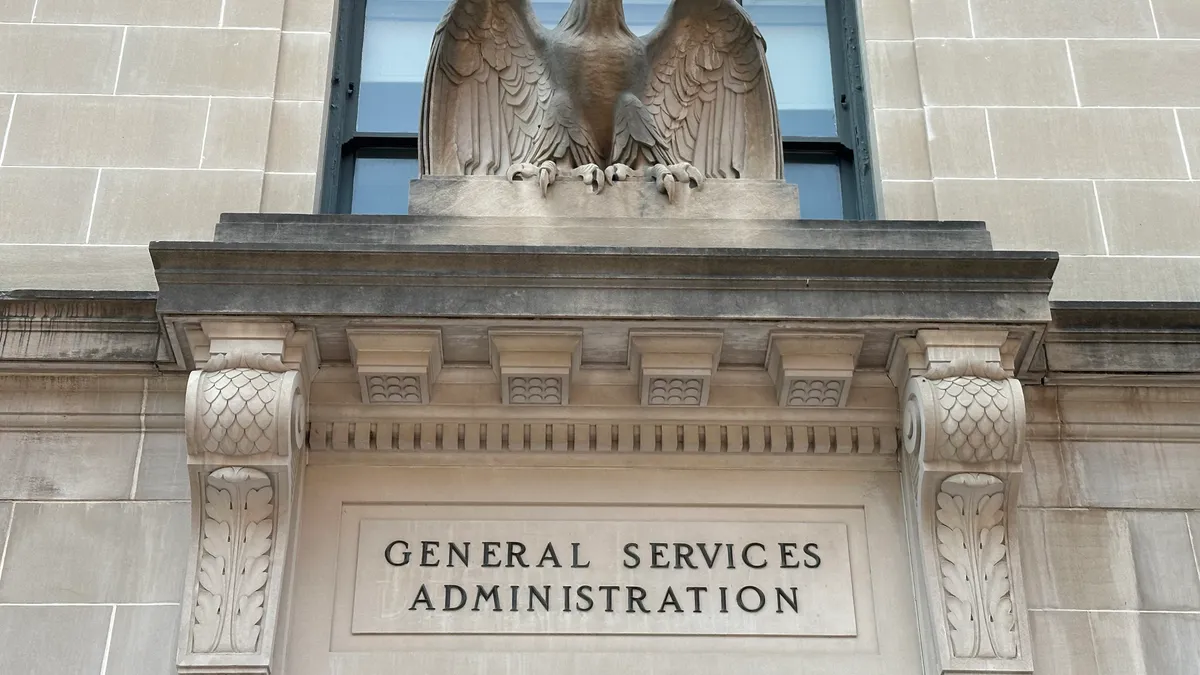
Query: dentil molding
x,y
963,431
246,424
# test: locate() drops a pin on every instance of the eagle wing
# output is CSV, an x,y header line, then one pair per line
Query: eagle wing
x,y
710,92
489,100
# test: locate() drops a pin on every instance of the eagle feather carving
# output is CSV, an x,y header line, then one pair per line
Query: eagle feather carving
x,y
691,100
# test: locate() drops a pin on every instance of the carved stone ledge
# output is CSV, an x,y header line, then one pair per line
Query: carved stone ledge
x,y
396,365
963,432
812,370
246,426
471,433
674,368
534,366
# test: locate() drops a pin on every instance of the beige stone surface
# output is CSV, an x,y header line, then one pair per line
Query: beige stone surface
x,y
91,268
1137,72
53,640
1119,278
85,552
66,59
236,135
137,206
106,131
959,143
143,640
1078,473
5,515
886,20
886,644
1086,143
1077,559
67,465
131,12
1043,215
1177,18
252,14
296,136
6,105
892,69
308,15
995,72
1117,639
909,200
1062,642
1151,217
28,216
192,61
162,471
1169,643
289,193
902,145
1189,127
941,18
1062,18
303,64
1161,544
17,11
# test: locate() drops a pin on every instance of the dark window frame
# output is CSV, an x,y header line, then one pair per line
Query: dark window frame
x,y
850,149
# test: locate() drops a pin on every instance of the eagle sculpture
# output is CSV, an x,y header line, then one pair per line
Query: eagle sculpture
x,y
591,100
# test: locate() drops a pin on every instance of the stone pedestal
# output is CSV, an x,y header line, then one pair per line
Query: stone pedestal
x,y
496,196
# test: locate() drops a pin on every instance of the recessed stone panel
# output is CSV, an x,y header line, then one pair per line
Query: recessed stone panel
x,y
537,574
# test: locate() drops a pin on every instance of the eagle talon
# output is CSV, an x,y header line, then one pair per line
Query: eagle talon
x,y
592,176
684,172
668,179
521,171
546,173
620,172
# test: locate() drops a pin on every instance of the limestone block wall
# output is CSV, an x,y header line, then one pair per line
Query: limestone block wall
x,y
1109,525
1069,125
94,524
127,121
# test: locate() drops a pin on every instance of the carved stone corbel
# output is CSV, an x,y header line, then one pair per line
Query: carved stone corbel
x,y
246,423
963,431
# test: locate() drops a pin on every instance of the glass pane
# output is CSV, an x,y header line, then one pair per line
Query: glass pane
x,y
398,34
797,35
820,184
381,184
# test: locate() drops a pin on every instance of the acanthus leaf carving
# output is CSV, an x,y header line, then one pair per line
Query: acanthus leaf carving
x,y
973,552
236,539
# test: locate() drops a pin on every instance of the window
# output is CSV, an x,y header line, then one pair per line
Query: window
x,y
812,51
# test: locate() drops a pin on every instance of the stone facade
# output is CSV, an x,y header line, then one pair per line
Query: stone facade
x,y
1065,126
